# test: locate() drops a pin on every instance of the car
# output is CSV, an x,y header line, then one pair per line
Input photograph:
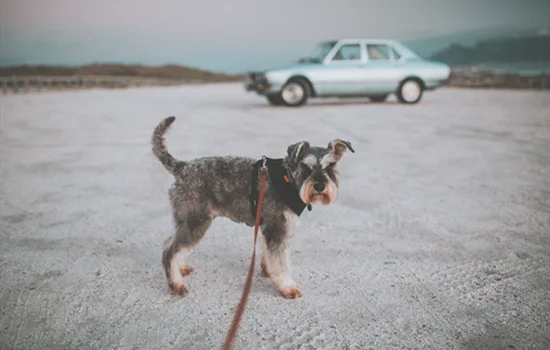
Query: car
x,y
351,68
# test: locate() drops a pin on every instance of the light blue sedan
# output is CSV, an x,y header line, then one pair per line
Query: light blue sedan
x,y
351,68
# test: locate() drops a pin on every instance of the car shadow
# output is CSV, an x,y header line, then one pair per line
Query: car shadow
x,y
338,103
348,103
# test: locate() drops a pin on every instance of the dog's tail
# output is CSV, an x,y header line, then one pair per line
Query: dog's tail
x,y
159,148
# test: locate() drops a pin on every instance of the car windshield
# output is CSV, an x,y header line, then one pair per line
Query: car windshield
x,y
321,51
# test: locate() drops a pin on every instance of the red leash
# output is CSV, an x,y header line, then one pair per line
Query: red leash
x,y
230,337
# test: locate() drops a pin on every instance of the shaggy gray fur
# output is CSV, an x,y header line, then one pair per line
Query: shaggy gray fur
x,y
209,187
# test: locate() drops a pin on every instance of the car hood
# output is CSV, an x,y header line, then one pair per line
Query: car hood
x,y
293,65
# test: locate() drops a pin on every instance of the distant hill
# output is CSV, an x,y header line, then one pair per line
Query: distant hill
x,y
173,72
427,47
507,50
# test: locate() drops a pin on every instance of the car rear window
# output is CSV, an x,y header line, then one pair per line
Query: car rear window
x,y
378,52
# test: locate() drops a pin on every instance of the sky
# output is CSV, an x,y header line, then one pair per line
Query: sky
x,y
232,35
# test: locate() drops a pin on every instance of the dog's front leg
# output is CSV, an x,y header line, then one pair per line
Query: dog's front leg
x,y
263,250
278,259
279,267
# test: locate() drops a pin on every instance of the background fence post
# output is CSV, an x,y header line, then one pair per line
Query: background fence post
x,y
543,78
14,84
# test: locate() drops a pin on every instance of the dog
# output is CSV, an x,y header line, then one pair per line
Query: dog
x,y
209,187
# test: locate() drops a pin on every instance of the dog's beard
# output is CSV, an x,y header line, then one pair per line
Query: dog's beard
x,y
309,195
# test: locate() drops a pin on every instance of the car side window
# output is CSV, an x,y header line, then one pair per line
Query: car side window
x,y
348,52
378,52
396,54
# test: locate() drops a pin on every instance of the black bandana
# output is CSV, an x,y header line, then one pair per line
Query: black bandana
x,y
279,180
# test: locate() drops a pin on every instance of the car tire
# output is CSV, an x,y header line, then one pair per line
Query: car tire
x,y
295,92
410,91
378,98
275,100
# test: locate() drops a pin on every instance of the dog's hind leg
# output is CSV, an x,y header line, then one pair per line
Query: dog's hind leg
x,y
189,231
172,255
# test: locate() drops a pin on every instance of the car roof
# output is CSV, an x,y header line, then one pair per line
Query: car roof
x,y
403,49
369,40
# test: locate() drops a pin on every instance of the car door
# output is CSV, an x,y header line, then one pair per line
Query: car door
x,y
382,73
341,73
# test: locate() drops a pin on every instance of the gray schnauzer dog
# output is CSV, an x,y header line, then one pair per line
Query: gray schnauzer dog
x,y
210,187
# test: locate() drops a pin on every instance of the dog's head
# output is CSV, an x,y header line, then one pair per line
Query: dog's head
x,y
315,169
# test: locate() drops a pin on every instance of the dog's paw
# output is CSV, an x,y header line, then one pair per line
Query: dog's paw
x,y
178,289
265,270
186,270
291,293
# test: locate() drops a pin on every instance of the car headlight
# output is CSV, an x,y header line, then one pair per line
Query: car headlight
x,y
257,76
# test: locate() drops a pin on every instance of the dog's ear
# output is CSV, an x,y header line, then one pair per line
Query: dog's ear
x,y
297,151
338,147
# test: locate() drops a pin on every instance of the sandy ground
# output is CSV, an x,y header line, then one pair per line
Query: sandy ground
x,y
440,238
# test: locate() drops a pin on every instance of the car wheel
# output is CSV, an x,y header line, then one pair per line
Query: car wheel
x,y
378,98
410,91
275,100
295,93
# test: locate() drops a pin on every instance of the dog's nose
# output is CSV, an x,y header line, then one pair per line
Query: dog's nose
x,y
319,187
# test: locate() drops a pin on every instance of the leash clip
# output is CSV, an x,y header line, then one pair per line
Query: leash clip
x,y
264,164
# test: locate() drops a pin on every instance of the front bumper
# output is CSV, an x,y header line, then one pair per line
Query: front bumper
x,y
257,82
